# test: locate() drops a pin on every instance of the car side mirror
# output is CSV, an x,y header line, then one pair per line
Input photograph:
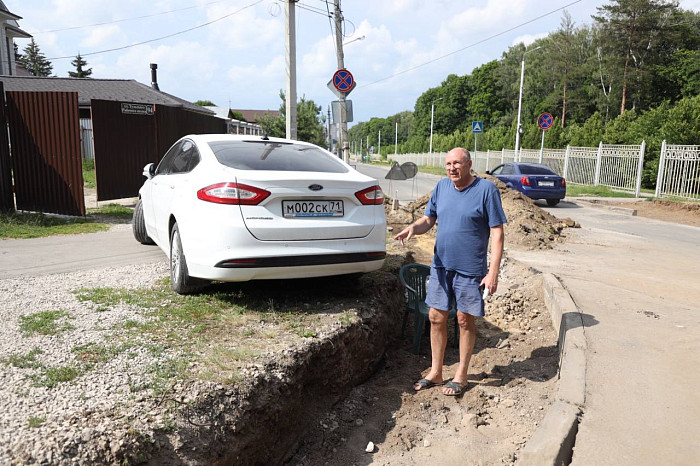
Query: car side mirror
x,y
488,172
149,170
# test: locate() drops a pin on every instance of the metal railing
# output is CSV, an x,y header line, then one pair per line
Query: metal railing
x,y
679,172
615,166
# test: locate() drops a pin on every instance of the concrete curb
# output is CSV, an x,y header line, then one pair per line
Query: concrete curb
x,y
553,442
619,210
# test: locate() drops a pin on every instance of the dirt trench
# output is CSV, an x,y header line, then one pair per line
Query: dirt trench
x,y
324,404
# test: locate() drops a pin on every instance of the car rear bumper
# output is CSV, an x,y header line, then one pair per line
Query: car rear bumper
x,y
544,193
265,273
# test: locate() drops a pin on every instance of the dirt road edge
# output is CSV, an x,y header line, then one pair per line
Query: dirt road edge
x,y
553,442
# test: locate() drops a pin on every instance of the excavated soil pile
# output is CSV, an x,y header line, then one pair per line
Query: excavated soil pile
x,y
528,226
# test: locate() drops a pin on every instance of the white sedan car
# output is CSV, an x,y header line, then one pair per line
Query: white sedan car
x,y
238,208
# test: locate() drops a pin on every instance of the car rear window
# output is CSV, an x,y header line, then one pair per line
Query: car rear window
x,y
270,155
535,170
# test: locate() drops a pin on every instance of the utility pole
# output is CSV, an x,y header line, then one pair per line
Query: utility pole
x,y
330,136
343,128
291,97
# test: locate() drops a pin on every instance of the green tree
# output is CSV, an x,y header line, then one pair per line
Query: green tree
x,y
35,62
205,103
80,71
310,122
18,56
631,30
238,116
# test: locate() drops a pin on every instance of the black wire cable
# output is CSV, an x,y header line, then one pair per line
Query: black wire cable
x,y
128,19
470,45
162,37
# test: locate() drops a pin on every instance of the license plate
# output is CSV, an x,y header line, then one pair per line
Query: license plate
x,y
547,183
291,209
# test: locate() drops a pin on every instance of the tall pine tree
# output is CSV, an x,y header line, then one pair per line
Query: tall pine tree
x,y
79,72
35,62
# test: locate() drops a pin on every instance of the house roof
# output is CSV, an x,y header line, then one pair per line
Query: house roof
x,y
253,115
121,90
9,21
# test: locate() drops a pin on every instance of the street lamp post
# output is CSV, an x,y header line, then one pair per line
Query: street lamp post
x,y
432,114
518,129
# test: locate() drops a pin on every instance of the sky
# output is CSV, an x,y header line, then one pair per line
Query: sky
x,y
232,52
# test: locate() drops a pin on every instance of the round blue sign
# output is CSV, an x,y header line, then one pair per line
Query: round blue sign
x,y
343,81
545,121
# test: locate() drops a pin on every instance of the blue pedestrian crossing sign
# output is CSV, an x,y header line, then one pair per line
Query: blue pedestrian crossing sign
x,y
477,127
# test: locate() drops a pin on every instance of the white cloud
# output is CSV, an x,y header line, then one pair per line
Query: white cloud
x,y
528,39
104,36
252,29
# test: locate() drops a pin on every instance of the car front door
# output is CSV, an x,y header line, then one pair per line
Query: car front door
x,y
171,177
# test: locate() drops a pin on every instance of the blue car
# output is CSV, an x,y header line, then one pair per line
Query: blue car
x,y
534,180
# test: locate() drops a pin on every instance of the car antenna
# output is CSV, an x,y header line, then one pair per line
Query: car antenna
x,y
265,138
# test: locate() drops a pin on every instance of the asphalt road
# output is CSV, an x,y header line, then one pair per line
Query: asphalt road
x,y
403,190
635,281
69,253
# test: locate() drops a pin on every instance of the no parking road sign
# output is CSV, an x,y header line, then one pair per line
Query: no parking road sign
x,y
545,121
343,81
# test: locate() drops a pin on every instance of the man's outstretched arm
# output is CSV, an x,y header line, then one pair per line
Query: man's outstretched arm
x,y
418,227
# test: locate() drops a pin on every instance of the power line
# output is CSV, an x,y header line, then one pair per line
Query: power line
x,y
470,45
128,19
163,37
330,24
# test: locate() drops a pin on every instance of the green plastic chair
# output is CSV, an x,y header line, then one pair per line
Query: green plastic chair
x,y
414,278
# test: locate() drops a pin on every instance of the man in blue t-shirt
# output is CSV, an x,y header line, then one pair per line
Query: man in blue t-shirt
x,y
469,211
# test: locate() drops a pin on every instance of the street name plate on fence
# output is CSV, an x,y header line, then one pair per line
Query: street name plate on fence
x,y
137,109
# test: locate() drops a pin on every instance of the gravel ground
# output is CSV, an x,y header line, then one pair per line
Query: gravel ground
x,y
47,425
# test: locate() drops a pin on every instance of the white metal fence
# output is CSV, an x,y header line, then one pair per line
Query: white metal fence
x,y
615,166
86,150
679,172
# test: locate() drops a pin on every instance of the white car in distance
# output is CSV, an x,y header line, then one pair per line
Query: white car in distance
x,y
237,208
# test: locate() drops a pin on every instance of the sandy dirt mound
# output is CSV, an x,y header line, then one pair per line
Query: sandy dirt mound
x,y
528,226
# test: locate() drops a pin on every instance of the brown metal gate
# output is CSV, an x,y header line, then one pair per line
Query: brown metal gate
x,y
7,201
45,137
127,136
124,141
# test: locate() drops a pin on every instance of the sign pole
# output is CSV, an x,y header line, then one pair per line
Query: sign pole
x,y
475,136
542,146
544,121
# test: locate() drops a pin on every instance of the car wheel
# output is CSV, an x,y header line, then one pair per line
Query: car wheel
x,y
180,279
138,225
552,202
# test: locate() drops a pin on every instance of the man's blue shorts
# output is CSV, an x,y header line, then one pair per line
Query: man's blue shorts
x,y
448,286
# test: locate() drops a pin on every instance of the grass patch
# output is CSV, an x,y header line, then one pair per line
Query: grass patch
x,y
114,211
36,225
89,174
24,361
35,421
213,334
44,323
92,353
576,190
55,375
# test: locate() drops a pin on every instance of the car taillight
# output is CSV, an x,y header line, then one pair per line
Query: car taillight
x,y
525,181
233,193
563,183
371,196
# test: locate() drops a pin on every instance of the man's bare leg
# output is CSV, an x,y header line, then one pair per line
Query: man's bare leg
x,y
467,339
438,343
